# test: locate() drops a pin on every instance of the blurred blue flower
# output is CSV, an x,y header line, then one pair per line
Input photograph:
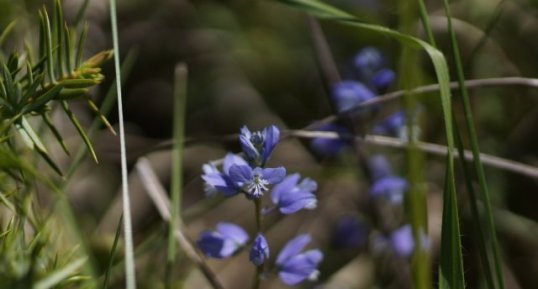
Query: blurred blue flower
x,y
215,181
379,167
350,232
391,188
329,147
258,145
391,125
290,196
348,94
368,61
223,242
401,241
259,251
382,79
254,182
293,266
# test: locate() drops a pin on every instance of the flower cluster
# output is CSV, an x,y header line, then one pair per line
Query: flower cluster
x,y
374,78
248,175
387,190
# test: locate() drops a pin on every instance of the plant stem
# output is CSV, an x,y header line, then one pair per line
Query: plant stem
x,y
258,214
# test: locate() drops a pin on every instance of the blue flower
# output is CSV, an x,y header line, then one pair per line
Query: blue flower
x,y
293,266
393,125
329,147
402,241
258,145
392,188
379,167
255,182
382,79
222,243
259,251
350,232
215,181
348,94
368,61
290,196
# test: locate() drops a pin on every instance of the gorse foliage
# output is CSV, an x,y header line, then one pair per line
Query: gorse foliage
x,y
32,84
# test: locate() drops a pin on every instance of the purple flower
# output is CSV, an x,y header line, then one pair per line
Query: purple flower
x,y
329,147
293,266
348,94
368,61
259,251
392,125
401,241
382,79
215,181
350,232
290,196
254,182
392,188
379,167
258,145
223,242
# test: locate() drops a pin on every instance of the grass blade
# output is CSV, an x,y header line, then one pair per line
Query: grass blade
x,y
112,253
130,277
80,130
180,103
476,154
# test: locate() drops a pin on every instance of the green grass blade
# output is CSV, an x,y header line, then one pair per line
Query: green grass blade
x,y
69,48
55,132
5,33
180,103
130,277
112,253
60,275
476,151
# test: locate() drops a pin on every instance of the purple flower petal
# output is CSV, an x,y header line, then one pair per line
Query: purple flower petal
x,y
233,232
230,160
402,242
301,267
240,175
382,79
292,248
392,188
274,175
293,201
272,137
286,185
348,94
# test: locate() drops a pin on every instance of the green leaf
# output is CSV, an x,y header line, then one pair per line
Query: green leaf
x,y
47,37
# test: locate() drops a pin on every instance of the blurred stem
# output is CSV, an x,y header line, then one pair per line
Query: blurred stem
x,y
409,73
180,102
